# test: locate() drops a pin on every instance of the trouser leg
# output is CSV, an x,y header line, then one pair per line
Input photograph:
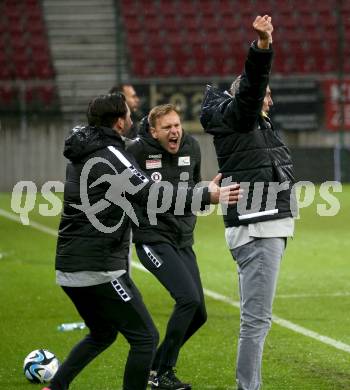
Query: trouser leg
x,y
258,265
107,310
200,316
139,330
82,354
178,272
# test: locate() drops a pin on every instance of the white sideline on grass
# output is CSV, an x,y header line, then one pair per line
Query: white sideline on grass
x,y
212,294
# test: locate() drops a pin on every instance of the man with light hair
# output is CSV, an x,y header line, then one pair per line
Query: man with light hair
x,y
170,155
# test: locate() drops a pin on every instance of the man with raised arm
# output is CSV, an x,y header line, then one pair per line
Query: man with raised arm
x,y
250,151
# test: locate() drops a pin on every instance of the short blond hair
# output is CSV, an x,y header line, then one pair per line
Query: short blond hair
x,y
159,111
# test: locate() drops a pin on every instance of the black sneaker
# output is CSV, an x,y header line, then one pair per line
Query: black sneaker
x,y
169,381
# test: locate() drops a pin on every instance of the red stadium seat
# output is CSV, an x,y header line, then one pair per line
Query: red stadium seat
x,y
184,67
22,71
227,8
5,73
192,25
170,24
165,69
38,44
40,98
13,15
129,8
31,3
8,97
17,42
228,67
24,54
228,23
135,39
33,12
157,54
44,71
141,68
29,97
285,8
154,41
22,57
208,7
346,65
150,12
46,94
168,9
35,27
305,8
188,8
328,64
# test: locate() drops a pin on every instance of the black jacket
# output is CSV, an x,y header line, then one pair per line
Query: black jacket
x,y
248,147
99,199
81,246
174,229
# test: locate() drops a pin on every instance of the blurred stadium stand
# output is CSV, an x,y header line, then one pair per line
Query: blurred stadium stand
x,y
26,70
83,40
209,38
55,55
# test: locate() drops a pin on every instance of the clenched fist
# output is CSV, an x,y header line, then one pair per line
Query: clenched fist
x,y
264,28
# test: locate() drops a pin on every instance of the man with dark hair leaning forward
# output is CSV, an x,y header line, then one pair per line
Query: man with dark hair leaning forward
x,y
103,182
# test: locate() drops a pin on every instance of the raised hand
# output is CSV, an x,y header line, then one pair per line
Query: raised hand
x,y
264,28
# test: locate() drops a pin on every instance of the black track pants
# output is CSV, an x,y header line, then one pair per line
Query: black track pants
x,y
108,309
178,272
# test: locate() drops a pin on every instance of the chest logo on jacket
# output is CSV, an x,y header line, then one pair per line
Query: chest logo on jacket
x,y
184,161
152,156
153,164
156,176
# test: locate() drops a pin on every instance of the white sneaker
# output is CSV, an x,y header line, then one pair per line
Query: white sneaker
x,y
152,380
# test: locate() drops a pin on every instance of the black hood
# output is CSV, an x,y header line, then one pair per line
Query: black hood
x,y
144,127
84,140
145,134
213,106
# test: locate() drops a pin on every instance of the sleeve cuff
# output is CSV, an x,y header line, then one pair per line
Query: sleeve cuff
x,y
254,46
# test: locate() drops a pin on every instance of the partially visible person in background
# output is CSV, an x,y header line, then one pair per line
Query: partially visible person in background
x,y
133,101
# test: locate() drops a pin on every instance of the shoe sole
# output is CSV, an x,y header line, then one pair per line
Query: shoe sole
x,y
155,387
167,388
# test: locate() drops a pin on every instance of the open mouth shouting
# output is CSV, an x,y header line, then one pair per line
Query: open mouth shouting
x,y
168,131
174,143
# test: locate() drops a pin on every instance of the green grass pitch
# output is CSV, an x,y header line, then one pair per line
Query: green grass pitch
x,y
313,292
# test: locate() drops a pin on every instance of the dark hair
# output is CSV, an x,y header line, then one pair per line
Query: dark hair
x,y
104,110
119,88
